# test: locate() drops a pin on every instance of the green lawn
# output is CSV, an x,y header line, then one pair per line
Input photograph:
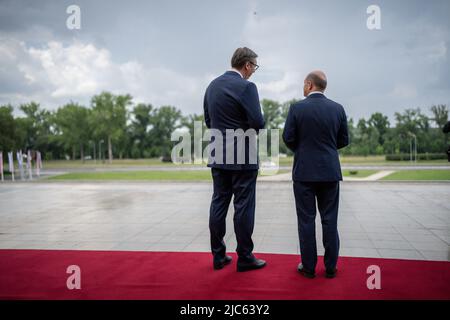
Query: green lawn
x,y
359,173
349,160
374,160
205,175
187,175
138,175
61,164
418,175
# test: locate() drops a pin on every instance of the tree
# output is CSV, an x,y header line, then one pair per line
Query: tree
x,y
38,128
139,129
164,121
412,123
72,121
440,117
284,113
272,114
381,123
109,117
440,113
7,129
350,149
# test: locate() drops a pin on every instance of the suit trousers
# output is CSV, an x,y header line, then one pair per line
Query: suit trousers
x,y
327,196
242,185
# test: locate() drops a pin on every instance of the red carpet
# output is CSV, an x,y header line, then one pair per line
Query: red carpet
x,y
41,274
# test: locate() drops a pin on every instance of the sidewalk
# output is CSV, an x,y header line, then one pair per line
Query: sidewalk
x,y
288,177
387,220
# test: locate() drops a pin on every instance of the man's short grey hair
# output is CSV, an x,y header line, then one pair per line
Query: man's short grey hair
x,y
241,56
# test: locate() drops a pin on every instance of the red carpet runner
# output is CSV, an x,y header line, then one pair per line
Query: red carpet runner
x,y
41,274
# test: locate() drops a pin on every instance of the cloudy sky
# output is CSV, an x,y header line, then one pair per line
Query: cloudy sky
x,y
166,52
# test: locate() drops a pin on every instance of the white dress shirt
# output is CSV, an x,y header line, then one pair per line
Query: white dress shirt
x,y
313,92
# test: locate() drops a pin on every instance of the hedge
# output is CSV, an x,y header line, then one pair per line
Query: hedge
x,y
420,156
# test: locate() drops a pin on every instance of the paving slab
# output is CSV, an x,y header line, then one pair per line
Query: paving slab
x,y
376,219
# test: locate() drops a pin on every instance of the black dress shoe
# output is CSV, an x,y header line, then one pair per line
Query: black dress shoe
x,y
219,264
330,273
307,273
253,265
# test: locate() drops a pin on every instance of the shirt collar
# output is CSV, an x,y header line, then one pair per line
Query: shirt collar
x,y
237,71
314,92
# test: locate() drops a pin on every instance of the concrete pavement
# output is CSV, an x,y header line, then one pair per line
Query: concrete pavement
x,y
390,220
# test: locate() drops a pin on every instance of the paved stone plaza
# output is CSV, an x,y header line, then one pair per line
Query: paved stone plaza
x,y
377,219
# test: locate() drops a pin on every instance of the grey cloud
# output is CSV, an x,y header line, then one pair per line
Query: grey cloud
x,y
403,65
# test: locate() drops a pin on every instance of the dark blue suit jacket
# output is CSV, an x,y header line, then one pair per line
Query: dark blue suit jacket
x,y
315,129
232,102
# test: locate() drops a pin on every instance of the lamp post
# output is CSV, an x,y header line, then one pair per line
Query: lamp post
x,y
100,150
413,136
415,148
93,143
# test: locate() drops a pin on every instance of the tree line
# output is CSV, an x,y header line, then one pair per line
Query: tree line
x,y
115,127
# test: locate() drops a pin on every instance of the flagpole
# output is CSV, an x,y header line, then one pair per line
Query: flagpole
x,y
1,165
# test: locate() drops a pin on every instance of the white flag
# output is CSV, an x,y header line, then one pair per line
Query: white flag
x,y
30,174
20,163
20,159
10,162
28,159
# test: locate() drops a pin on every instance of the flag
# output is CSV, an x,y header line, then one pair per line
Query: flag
x,y
20,163
28,159
20,159
11,162
29,164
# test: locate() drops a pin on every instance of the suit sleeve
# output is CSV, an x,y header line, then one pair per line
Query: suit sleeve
x,y
206,113
250,102
342,139
290,130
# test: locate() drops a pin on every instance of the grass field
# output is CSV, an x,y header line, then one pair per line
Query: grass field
x,y
61,164
205,175
138,175
359,173
419,175
353,160
191,175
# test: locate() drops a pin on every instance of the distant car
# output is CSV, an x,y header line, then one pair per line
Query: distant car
x,y
269,164
166,159
268,168
88,158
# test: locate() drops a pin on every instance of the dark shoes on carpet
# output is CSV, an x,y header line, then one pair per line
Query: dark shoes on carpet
x,y
220,263
330,273
306,273
251,265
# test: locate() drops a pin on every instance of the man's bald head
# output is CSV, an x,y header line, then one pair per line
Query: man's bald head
x,y
318,79
315,81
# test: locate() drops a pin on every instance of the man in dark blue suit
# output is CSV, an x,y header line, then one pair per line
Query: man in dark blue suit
x,y
315,129
231,104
